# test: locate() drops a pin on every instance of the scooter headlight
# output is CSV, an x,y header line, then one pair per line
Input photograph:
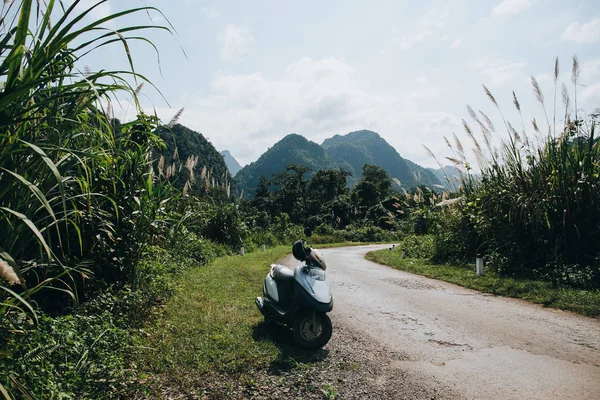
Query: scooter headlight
x,y
317,274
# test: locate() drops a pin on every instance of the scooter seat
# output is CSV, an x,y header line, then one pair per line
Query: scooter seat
x,y
281,273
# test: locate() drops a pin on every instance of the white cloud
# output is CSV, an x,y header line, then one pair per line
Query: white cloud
x,y
235,42
429,24
406,42
500,73
507,7
583,32
456,42
590,70
210,12
247,113
590,97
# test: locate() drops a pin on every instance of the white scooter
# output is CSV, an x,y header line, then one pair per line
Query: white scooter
x,y
299,298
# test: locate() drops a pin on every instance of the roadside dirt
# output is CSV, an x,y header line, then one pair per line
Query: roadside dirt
x,y
349,367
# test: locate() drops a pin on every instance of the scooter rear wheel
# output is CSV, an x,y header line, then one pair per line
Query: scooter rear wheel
x,y
312,331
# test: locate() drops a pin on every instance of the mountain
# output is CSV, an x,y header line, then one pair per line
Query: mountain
x,y
292,149
190,143
355,149
232,164
448,176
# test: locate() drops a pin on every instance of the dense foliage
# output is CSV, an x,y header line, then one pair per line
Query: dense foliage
x,y
534,210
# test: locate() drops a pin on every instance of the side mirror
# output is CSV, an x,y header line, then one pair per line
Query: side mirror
x,y
307,232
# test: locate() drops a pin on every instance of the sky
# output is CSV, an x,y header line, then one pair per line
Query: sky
x,y
250,72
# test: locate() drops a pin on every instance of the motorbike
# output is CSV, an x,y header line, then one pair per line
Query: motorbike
x,y
299,298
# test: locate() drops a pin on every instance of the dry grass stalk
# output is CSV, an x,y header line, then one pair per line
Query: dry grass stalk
x,y
175,118
471,112
575,78
488,121
516,102
489,95
459,147
161,166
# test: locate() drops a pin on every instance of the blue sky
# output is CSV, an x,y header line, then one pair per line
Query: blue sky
x,y
258,70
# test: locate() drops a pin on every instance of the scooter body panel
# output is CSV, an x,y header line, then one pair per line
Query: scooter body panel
x,y
270,288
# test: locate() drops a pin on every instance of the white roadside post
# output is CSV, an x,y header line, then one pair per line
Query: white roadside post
x,y
242,250
264,248
403,254
479,265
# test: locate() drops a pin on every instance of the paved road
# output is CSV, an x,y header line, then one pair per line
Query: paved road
x,y
479,346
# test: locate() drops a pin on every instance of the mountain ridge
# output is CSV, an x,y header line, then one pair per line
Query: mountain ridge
x,y
232,164
349,152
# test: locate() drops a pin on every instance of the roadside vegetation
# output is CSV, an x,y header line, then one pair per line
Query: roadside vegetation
x,y
103,221
419,252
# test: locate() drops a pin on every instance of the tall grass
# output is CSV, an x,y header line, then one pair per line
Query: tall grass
x,y
535,208
73,183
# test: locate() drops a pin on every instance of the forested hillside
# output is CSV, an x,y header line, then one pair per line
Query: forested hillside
x,y
292,149
187,149
356,149
350,153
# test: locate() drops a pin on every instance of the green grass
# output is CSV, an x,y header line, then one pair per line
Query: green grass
x,y
585,302
210,323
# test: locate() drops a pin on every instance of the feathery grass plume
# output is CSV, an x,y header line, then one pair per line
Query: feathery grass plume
x,y
207,184
242,194
488,121
489,95
448,143
175,118
556,73
493,100
516,136
397,182
575,78
109,111
459,147
540,98
535,126
203,173
516,102
186,187
190,165
454,161
138,89
228,190
161,166
8,273
471,112
470,133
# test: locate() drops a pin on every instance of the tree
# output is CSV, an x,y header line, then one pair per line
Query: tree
x,y
262,196
373,188
290,198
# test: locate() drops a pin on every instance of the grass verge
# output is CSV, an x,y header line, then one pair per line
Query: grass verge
x,y
585,302
211,326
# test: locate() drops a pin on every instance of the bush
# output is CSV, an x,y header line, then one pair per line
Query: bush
x,y
418,246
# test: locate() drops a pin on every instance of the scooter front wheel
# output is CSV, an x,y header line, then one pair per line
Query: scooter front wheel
x,y
312,330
